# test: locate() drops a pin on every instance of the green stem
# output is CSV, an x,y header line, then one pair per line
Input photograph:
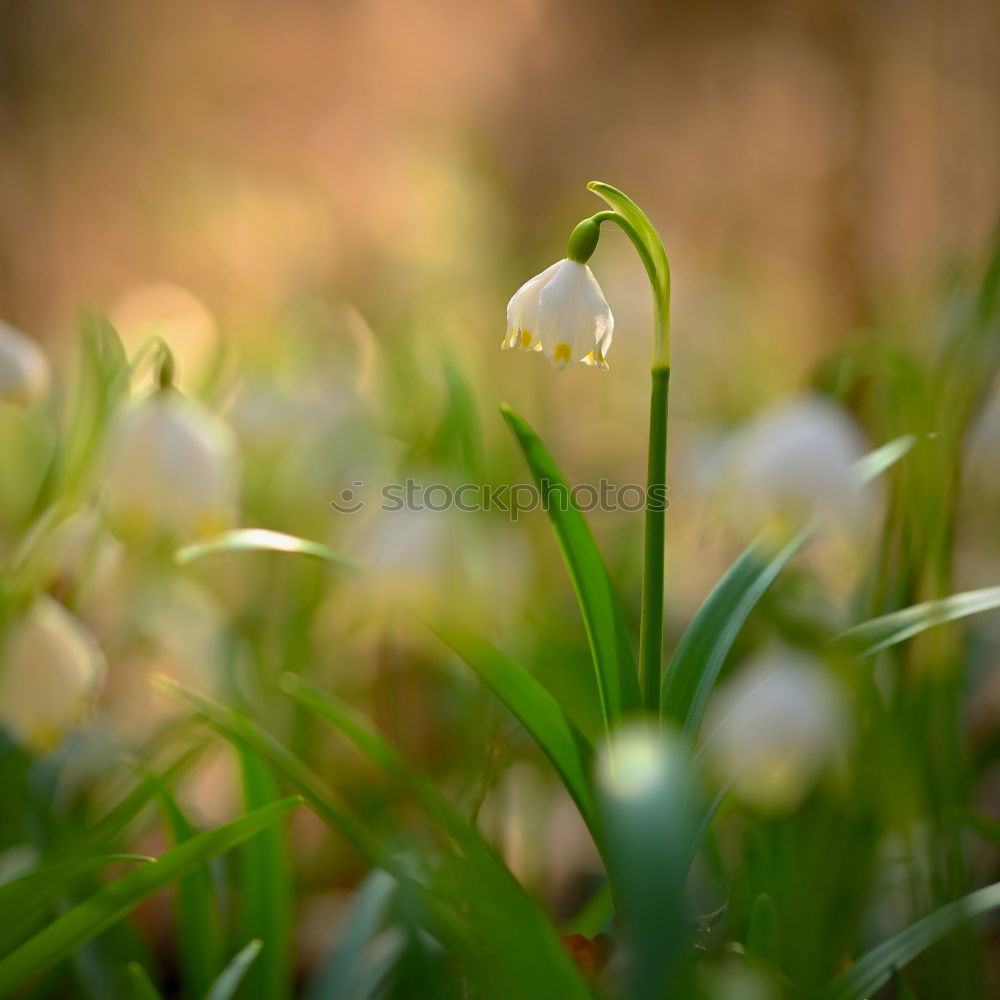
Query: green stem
x,y
651,623
646,240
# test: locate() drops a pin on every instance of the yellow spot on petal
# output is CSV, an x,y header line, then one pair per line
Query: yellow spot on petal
x,y
525,338
562,354
600,356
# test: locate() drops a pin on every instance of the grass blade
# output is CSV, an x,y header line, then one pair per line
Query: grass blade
x,y
265,882
499,906
140,986
232,975
702,650
536,710
371,903
876,462
880,633
237,728
259,540
607,631
196,921
108,905
24,900
875,969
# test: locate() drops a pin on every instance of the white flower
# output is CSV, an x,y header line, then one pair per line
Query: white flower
x,y
563,312
172,469
795,464
775,727
24,371
50,673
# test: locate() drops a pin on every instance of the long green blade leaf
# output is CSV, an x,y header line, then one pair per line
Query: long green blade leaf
x,y
536,710
140,985
538,963
266,887
345,963
236,728
259,540
198,933
887,630
702,650
607,631
232,975
108,905
874,969
656,266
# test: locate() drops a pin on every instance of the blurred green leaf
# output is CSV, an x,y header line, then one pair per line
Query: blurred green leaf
x,y
606,628
538,962
228,981
880,633
140,985
198,935
237,728
266,884
117,819
875,968
345,965
87,919
647,812
876,462
24,900
763,931
536,710
702,650
259,540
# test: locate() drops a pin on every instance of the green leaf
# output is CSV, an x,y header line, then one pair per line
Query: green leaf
x,y
118,818
24,900
876,462
887,630
647,806
259,540
140,985
266,884
607,631
87,919
498,906
237,728
702,650
763,931
196,921
346,963
232,975
536,710
875,968
653,255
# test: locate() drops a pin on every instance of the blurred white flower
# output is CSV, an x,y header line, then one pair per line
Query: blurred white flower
x,y
176,631
24,370
563,312
50,673
172,469
775,727
793,465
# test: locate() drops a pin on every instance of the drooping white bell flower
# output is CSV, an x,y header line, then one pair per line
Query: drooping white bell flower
x,y
775,727
24,370
563,313
794,465
51,669
172,470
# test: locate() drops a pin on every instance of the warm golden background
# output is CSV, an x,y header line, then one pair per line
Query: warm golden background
x,y
801,158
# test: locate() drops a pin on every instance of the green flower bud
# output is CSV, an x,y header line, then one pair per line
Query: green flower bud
x,y
583,241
